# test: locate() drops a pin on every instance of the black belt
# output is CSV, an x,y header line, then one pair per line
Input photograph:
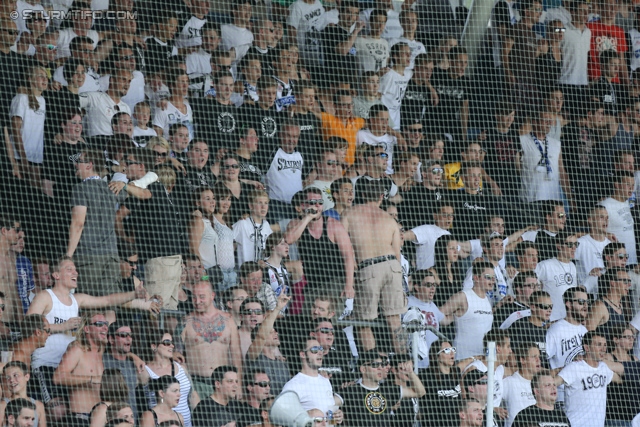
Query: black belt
x,y
377,260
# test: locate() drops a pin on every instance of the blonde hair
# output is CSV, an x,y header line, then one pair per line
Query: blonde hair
x,y
81,336
253,196
29,76
166,176
158,141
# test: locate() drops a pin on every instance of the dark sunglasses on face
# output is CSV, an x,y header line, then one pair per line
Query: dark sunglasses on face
x,y
234,166
376,365
426,284
316,349
12,32
580,301
256,311
544,306
47,330
131,263
325,330
100,324
166,343
625,281
2,307
262,384
17,229
315,202
124,335
126,58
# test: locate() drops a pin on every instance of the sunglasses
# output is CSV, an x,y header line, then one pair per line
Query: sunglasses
x,y
262,384
314,202
320,419
544,306
623,256
332,162
12,32
2,307
234,166
325,330
165,154
572,245
126,58
133,162
559,30
315,349
131,263
100,324
124,335
49,46
256,311
625,281
489,277
481,382
383,155
437,171
426,284
376,365
166,343
580,301
47,330
17,229
448,350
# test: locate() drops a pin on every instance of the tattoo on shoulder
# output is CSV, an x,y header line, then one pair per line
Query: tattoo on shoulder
x,y
210,331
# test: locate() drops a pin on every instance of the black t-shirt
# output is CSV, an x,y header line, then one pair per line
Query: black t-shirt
x,y
500,160
370,408
310,141
452,93
535,416
247,415
183,192
217,123
546,245
59,167
387,185
607,94
250,170
264,122
471,211
158,226
523,331
416,208
57,102
505,311
337,67
417,103
157,54
208,411
439,406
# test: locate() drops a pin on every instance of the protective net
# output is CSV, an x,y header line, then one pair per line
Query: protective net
x,y
206,205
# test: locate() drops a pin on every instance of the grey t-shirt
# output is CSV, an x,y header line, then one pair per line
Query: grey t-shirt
x,y
99,234
128,370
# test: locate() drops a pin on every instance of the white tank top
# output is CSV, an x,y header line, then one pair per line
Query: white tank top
x,y
56,345
208,245
472,326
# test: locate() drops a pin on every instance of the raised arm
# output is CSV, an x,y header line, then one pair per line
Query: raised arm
x,y
89,301
456,305
265,329
597,316
297,226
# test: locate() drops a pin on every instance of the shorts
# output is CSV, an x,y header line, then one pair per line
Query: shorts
x,y
379,288
98,275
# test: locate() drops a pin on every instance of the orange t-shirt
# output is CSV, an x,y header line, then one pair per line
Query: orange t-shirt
x,y
333,126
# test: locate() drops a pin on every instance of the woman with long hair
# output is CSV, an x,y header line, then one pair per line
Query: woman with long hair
x,y
167,390
612,307
226,235
26,147
446,269
203,239
230,177
161,365
113,388
442,384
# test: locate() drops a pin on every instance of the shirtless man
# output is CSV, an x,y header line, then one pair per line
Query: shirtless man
x,y
208,338
81,368
34,331
9,235
375,237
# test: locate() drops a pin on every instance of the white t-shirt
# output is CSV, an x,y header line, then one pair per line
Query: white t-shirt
x,y
21,7
198,69
284,177
64,41
100,109
537,184
556,277
372,54
426,236
392,30
32,130
191,34
586,392
498,379
91,80
238,38
432,317
416,47
517,395
621,225
314,392
392,87
171,116
308,20
634,38
575,55
134,95
564,343
385,141
589,256
245,234
144,133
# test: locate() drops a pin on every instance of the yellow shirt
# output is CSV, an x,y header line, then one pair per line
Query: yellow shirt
x,y
333,126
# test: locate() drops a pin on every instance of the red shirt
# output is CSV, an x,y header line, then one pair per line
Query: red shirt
x,y
604,37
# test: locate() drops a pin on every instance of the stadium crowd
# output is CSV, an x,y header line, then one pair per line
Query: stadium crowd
x,y
204,204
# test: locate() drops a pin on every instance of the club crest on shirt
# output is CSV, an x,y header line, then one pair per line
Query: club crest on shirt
x,y
375,402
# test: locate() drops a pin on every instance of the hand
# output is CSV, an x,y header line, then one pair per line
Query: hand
x,y
16,171
178,357
138,363
116,187
221,153
359,26
176,164
57,139
196,214
155,307
501,413
511,271
73,323
338,417
496,191
55,86
140,41
611,237
283,300
596,272
314,213
162,104
348,292
256,184
141,292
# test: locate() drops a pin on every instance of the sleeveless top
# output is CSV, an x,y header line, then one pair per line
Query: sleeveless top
x,y
615,319
32,400
472,326
321,259
55,346
208,245
224,251
185,391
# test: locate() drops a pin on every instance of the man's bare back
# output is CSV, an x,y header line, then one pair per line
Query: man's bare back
x,y
373,232
209,342
8,279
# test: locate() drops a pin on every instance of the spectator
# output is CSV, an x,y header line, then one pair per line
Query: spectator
x,y
119,357
394,83
190,35
113,388
198,174
611,309
606,35
233,299
238,189
199,59
160,46
225,381
589,260
162,365
621,406
533,328
409,23
376,163
325,168
507,313
446,268
376,134
177,109
392,29
276,251
342,195
406,168
34,332
555,221
576,46
621,223
142,133
372,51
16,374
237,35
253,314
452,87
603,90
263,115
442,383
258,388
246,148
339,46
224,250
544,410
20,413
471,413
168,389
343,124
518,393
251,233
